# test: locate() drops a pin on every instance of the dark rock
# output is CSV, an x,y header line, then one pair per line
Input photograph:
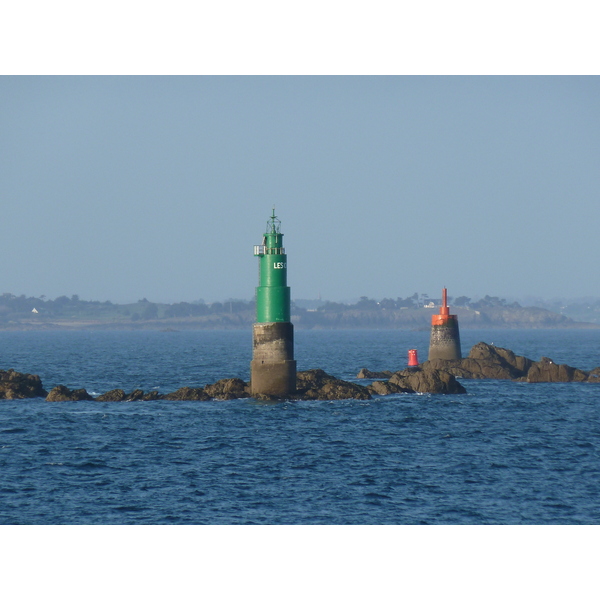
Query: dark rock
x,y
188,393
486,352
366,374
316,384
385,388
428,381
135,396
339,390
313,378
473,368
484,362
547,371
490,362
112,396
228,389
15,385
63,394
454,367
594,375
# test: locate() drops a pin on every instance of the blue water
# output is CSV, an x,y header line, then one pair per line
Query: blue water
x,y
505,452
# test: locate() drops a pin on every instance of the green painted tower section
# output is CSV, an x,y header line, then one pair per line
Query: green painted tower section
x,y
272,293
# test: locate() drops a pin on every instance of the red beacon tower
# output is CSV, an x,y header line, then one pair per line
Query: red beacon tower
x,y
444,342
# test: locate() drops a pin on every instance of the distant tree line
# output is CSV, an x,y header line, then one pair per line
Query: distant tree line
x,y
11,304
187,309
144,309
415,301
19,307
16,308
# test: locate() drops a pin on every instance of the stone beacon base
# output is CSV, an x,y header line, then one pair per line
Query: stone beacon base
x,y
445,338
273,368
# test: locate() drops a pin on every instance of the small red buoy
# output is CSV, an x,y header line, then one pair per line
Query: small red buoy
x,y
413,361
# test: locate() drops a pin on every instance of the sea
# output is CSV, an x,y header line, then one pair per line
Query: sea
x,y
504,453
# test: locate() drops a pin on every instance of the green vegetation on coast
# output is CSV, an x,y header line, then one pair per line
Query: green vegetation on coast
x,y
413,312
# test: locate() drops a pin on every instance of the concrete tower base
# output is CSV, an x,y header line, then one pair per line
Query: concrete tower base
x,y
445,339
273,368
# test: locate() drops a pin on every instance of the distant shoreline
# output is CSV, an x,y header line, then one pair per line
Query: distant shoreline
x,y
35,314
200,326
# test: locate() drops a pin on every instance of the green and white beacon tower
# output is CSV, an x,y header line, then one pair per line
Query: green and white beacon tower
x,y
273,368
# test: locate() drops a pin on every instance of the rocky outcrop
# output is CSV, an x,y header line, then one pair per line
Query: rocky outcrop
x,y
112,396
484,362
61,393
316,384
119,395
385,388
491,362
188,393
488,353
228,389
431,377
470,368
594,375
428,381
424,380
366,374
15,385
547,371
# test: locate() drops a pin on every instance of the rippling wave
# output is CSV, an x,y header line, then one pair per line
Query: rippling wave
x,y
506,452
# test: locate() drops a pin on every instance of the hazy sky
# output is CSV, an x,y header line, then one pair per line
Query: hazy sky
x,y
118,188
